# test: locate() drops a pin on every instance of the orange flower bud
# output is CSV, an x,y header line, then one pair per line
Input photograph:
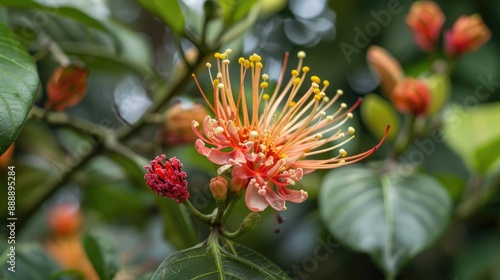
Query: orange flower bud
x,y
178,119
425,19
218,187
386,66
65,219
66,87
237,184
467,34
411,96
6,158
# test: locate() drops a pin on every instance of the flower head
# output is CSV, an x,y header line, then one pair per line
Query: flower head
x,y
166,178
177,122
425,19
266,139
66,86
467,34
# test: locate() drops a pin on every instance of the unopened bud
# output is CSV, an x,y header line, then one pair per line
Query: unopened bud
x,y
178,119
467,34
218,187
238,184
65,219
385,66
425,20
250,221
411,96
66,87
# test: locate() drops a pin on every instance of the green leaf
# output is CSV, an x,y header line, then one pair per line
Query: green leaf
x,y
377,113
390,218
168,11
18,87
31,262
179,229
470,132
102,256
214,262
235,10
440,86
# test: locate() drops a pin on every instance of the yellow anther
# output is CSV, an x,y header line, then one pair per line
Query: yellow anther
x,y
252,64
246,63
228,51
343,153
316,91
292,103
215,83
217,55
340,92
301,54
329,118
220,86
226,61
259,65
314,85
282,156
241,60
350,116
343,105
223,56
351,130
317,97
305,69
326,83
295,73
326,99
218,130
296,81
208,65
265,96
322,113
256,57
265,77
264,85
342,135
254,134
315,79
318,135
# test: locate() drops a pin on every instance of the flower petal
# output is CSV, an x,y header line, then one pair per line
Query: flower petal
x,y
254,201
218,157
296,196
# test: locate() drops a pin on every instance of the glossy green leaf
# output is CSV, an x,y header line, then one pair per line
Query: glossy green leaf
x,y
103,257
214,262
168,11
471,133
440,86
390,218
377,113
18,87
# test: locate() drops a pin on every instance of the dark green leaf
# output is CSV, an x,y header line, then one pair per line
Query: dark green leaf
x,y
390,218
31,262
213,262
168,11
95,255
18,87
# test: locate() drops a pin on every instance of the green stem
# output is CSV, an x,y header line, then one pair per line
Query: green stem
x,y
406,136
207,219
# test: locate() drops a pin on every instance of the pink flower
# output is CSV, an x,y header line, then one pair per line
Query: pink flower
x,y
265,139
425,19
166,178
467,34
